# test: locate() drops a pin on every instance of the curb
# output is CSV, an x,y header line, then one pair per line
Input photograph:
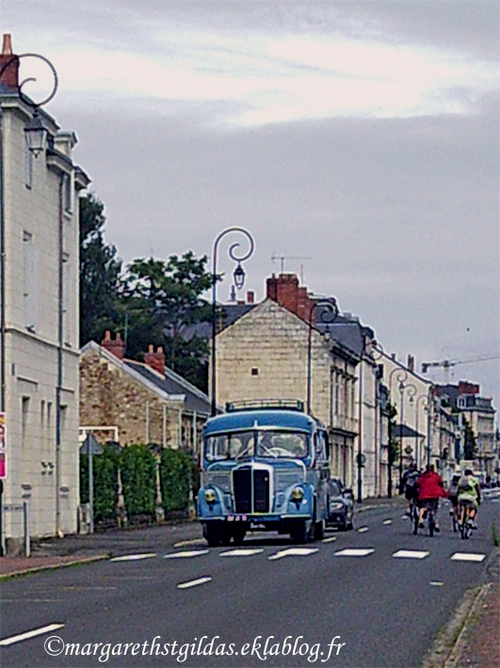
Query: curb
x,y
448,639
49,567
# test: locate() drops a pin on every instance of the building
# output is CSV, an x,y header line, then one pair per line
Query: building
x,y
133,402
39,316
264,355
479,413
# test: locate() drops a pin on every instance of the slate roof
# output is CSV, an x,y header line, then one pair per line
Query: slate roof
x,y
195,400
404,431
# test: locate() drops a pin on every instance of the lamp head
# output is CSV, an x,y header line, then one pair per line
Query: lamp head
x,y
36,135
239,276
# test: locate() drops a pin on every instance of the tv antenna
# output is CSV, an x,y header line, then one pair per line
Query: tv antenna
x,y
282,259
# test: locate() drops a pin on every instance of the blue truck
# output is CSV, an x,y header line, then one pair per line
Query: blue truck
x,y
264,466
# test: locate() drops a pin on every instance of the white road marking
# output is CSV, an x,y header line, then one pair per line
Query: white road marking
x,y
468,556
387,522
194,583
30,634
354,552
410,554
134,557
436,584
293,552
363,529
329,540
187,553
241,552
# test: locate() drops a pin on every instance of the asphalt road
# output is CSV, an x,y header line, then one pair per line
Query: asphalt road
x,y
375,596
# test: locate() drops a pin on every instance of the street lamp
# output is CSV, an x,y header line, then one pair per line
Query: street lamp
x,y
329,312
239,281
425,405
36,137
412,391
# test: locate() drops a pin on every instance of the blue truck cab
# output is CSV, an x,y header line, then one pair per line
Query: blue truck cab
x,y
264,466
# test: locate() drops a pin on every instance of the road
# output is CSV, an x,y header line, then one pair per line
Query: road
x,y
374,596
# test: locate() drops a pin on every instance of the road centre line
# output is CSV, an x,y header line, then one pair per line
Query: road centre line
x,y
387,522
363,529
193,541
30,634
329,540
194,583
185,554
134,557
467,556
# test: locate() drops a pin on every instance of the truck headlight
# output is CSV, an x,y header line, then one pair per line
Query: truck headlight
x,y
297,493
210,496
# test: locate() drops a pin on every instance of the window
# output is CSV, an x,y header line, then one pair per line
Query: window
x,y
25,407
30,283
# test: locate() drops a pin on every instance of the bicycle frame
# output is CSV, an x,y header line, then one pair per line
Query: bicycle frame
x,y
464,521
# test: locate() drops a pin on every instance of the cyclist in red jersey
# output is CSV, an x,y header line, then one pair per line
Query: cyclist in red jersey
x,y
430,490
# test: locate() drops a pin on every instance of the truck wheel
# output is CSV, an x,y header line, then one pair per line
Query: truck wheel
x,y
319,530
239,535
299,531
213,534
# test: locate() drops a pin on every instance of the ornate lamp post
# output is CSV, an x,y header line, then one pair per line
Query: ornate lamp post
x,y
401,376
327,315
412,391
239,280
36,138
425,405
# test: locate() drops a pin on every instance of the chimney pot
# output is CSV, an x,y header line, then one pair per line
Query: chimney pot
x,y
7,45
10,75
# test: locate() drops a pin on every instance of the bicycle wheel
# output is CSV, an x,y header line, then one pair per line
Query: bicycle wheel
x,y
414,517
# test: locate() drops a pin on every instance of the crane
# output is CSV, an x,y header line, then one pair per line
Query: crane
x,y
448,364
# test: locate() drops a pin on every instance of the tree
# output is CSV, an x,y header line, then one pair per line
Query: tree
x,y
168,295
100,271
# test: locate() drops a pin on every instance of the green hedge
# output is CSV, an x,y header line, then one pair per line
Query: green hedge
x,y
137,463
178,475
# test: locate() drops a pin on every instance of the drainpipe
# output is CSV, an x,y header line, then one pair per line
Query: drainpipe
x,y
60,325
2,303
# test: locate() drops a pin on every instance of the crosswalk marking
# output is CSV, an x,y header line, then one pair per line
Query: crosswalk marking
x,y
241,552
410,554
194,583
467,556
134,557
354,552
293,552
185,554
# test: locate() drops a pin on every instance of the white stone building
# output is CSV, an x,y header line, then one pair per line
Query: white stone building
x,y
40,314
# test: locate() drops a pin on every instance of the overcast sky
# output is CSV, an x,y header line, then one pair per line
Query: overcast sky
x,y
359,140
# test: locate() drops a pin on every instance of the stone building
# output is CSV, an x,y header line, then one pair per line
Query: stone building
x,y
134,402
39,338
264,355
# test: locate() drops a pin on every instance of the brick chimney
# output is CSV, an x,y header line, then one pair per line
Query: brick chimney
x,y
10,77
464,387
114,346
285,290
250,297
155,360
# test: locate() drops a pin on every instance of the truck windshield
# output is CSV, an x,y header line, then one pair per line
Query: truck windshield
x,y
268,443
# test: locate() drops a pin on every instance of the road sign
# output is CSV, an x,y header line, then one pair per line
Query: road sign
x,y
90,446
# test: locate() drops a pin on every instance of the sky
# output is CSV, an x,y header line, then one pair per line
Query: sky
x,y
357,142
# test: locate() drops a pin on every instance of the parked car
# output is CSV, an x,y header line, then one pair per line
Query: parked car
x,y
340,505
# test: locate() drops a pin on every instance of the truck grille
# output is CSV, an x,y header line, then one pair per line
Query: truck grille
x,y
251,490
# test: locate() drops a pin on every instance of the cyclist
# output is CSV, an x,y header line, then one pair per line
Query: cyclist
x,y
430,490
469,494
453,494
410,485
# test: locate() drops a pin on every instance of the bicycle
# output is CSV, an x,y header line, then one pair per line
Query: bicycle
x,y
414,515
429,514
464,521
